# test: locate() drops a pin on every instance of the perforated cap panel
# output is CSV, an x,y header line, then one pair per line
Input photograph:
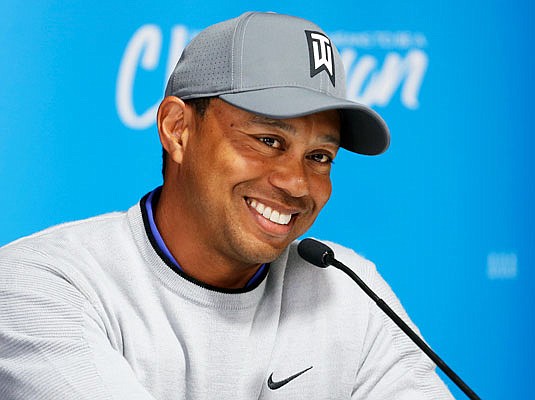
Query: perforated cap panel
x,y
205,67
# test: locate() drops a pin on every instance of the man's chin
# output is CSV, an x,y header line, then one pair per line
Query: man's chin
x,y
263,252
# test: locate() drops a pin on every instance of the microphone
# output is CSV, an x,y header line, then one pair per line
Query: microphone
x,y
321,255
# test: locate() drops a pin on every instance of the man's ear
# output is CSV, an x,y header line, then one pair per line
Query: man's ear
x,y
173,123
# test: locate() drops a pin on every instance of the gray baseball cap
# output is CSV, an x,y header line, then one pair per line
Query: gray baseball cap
x,y
277,66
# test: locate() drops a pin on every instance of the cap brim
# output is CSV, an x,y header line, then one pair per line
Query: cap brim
x,y
363,131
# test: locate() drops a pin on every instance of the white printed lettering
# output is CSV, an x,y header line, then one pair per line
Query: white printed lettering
x,y
143,49
381,85
502,265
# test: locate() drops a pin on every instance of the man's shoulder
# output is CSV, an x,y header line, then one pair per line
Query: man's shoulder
x,y
77,252
67,231
70,243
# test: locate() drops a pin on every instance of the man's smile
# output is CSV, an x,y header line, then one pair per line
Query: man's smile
x,y
276,216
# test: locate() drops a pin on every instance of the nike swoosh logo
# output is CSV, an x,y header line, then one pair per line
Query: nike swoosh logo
x,y
276,385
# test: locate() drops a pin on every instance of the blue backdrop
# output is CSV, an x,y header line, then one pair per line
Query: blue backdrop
x,y
447,213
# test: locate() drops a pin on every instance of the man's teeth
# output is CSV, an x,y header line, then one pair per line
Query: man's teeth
x,y
269,213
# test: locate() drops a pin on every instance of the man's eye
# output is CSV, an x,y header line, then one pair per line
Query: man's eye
x,y
271,142
322,158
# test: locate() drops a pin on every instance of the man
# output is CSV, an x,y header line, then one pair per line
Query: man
x,y
198,292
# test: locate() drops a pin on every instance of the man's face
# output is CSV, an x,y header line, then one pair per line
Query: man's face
x,y
254,184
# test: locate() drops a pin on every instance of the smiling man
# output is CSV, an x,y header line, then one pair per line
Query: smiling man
x,y
198,292
262,183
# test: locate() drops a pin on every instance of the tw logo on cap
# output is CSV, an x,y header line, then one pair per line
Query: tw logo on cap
x,y
321,55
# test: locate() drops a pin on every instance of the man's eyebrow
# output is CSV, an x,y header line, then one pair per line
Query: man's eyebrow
x,y
277,123
328,138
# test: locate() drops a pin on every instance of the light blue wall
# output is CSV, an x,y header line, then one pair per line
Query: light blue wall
x,y
447,213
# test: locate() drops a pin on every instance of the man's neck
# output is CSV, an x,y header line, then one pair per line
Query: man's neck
x,y
196,257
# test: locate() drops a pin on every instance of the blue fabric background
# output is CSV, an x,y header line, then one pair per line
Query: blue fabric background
x,y
447,213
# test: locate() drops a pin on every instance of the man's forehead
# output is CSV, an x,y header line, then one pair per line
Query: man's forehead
x,y
271,122
329,120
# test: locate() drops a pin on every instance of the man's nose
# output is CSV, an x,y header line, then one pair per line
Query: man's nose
x,y
289,175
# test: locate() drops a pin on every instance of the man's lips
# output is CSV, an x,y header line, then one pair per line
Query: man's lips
x,y
271,213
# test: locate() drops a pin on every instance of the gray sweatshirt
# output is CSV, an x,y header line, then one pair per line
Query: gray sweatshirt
x,y
89,310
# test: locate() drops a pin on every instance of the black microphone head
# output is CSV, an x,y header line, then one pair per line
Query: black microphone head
x,y
315,252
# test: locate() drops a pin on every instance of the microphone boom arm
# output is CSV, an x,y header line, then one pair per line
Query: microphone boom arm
x,y
408,331
322,256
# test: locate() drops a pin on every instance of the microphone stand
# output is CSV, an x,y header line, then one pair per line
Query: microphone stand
x,y
321,255
410,333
